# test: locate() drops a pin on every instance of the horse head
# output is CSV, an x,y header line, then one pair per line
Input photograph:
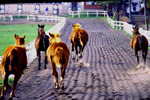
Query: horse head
x,y
54,37
76,26
41,29
135,30
19,40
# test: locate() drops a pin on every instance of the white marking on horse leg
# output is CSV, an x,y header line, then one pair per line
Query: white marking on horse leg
x,y
62,81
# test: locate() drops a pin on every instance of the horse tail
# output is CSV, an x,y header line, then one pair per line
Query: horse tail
x,y
83,37
59,53
13,59
80,37
141,40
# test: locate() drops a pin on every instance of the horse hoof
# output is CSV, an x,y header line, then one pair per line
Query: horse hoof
x,y
80,56
62,87
45,68
2,98
39,69
57,87
73,58
10,98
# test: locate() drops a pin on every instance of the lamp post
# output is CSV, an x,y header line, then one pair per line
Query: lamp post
x,y
130,16
145,14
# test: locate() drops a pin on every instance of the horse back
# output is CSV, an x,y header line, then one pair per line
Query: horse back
x,y
83,35
15,57
79,34
59,53
139,42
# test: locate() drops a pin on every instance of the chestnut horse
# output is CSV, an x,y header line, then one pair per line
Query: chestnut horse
x,y
14,61
41,44
58,55
78,38
139,43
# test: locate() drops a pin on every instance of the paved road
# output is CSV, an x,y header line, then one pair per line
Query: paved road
x,y
108,72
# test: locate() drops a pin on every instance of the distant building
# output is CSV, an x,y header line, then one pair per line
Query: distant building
x,y
53,8
136,6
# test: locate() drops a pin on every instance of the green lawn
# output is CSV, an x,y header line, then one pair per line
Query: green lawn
x,y
7,36
7,33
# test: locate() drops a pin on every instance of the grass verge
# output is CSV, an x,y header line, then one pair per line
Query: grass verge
x,y
7,33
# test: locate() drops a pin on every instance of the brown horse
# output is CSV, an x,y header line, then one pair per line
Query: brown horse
x,y
14,61
58,55
139,42
78,38
41,44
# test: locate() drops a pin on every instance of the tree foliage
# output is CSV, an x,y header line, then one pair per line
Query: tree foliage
x,y
103,3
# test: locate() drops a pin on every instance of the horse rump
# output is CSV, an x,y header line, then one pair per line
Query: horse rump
x,y
13,59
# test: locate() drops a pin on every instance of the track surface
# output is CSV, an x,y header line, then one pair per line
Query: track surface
x,y
108,71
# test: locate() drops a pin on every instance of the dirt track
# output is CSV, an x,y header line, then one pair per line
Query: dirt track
x,y
108,72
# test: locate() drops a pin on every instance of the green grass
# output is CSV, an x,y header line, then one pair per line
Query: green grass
x,y
7,34
10,80
7,37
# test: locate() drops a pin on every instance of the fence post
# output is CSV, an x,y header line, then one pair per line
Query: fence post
x,y
87,13
11,17
34,17
27,17
96,13
78,14
104,13
72,14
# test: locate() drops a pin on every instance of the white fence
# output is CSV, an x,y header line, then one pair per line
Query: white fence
x,y
31,52
120,25
44,18
87,13
6,17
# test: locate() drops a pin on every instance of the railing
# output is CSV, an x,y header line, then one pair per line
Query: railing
x,y
6,17
120,25
44,18
31,52
87,13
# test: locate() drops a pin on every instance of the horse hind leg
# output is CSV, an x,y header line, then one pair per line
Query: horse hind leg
x,y
45,60
136,53
76,48
62,76
55,74
144,56
81,51
73,55
5,84
16,78
39,59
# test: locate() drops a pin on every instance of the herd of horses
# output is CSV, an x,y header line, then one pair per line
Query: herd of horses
x,y
14,59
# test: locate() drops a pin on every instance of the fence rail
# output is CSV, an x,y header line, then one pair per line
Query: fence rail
x,y
87,13
6,17
44,18
120,25
31,52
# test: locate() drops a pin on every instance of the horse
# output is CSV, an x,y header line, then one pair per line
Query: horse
x,y
139,43
14,61
41,44
78,38
58,55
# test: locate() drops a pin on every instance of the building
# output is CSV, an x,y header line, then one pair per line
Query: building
x,y
53,8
